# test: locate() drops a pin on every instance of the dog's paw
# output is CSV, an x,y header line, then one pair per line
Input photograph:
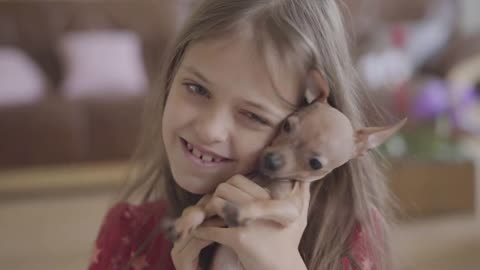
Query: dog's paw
x,y
231,214
171,232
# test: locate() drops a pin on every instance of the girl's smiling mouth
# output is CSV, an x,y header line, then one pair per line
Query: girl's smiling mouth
x,y
203,157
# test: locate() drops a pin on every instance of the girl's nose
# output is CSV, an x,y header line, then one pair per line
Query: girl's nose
x,y
212,127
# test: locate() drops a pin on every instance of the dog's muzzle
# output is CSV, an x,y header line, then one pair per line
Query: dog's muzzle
x,y
273,161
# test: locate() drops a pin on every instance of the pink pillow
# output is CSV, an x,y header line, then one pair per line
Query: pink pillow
x,y
21,80
102,63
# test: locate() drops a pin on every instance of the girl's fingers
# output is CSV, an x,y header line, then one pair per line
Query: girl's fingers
x,y
222,236
186,257
193,247
237,190
185,252
213,222
182,243
204,200
232,193
216,205
250,187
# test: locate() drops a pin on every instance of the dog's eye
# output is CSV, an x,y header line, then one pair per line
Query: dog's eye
x,y
315,164
287,127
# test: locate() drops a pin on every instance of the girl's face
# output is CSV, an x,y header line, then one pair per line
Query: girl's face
x,y
223,108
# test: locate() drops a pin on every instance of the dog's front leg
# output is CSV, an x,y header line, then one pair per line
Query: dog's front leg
x,y
283,210
190,219
193,216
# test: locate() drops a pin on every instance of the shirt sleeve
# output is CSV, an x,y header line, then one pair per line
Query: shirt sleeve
x,y
361,256
125,228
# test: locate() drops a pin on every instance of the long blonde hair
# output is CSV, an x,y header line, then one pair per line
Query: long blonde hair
x,y
312,34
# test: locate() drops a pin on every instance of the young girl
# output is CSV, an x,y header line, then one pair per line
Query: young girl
x,y
237,70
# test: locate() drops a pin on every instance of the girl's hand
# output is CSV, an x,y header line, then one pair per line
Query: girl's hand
x,y
261,244
186,251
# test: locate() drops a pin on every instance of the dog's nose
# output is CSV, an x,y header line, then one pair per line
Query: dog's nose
x,y
273,161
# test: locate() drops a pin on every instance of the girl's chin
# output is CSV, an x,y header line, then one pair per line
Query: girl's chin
x,y
193,187
196,191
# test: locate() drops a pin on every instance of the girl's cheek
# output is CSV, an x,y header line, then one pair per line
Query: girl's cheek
x,y
181,103
252,143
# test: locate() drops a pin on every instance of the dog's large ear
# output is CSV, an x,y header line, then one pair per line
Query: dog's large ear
x,y
372,137
317,87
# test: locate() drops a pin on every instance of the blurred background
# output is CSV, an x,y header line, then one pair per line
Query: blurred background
x,y
74,74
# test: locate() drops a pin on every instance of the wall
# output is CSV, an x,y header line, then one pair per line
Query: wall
x,y
471,20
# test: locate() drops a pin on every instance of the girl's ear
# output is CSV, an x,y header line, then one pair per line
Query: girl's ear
x,y
317,88
372,137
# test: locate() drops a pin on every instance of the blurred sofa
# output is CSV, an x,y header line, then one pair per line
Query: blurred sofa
x,y
59,130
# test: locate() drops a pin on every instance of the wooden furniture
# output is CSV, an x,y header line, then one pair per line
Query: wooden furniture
x,y
422,188
51,180
50,216
428,188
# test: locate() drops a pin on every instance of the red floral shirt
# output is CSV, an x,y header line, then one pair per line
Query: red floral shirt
x,y
126,227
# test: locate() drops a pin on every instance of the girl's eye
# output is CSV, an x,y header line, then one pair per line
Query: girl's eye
x,y
256,118
197,89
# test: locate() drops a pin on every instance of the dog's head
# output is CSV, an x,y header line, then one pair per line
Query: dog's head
x,y
317,139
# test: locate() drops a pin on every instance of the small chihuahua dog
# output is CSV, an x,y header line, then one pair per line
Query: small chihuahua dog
x,y
310,144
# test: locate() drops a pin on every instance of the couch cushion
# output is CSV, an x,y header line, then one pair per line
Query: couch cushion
x,y
36,26
102,63
44,133
21,80
114,127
